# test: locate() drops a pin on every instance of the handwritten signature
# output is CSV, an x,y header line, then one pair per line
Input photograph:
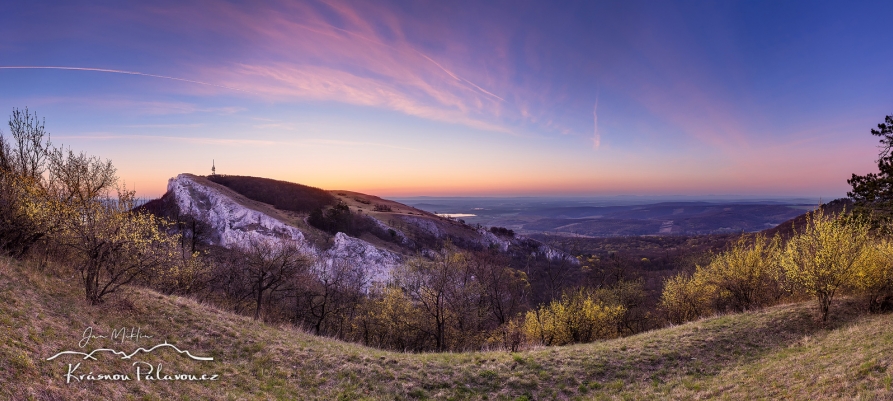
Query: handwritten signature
x,y
121,335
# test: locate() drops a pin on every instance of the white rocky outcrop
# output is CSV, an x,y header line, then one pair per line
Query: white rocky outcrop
x,y
230,222
425,225
377,263
553,254
485,238
488,238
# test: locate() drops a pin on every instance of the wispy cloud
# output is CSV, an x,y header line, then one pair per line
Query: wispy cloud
x,y
321,83
230,141
596,135
371,58
194,140
459,79
358,143
195,125
353,53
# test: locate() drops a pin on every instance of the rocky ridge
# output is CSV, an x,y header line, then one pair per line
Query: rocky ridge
x,y
234,221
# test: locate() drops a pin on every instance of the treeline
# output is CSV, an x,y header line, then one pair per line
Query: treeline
x,y
828,256
451,300
281,194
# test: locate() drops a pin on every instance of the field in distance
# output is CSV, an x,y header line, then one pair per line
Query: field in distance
x,y
619,216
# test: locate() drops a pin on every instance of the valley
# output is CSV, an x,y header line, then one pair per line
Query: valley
x,y
620,216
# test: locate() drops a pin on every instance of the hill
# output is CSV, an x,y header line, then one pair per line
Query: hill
x,y
282,195
363,230
777,353
686,218
787,228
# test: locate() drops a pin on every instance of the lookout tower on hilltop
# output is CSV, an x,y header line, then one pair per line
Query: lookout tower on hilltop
x,y
213,169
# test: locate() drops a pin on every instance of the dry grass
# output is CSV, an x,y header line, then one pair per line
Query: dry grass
x,y
781,352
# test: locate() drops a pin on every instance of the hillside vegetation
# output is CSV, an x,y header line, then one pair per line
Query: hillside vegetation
x,y
281,194
777,353
788,228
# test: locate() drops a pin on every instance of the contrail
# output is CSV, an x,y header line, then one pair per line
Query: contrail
x,y
119,72
460,79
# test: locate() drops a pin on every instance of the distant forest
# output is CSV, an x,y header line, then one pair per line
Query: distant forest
x,y
281,194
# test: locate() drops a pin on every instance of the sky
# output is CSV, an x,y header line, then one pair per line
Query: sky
x,y
462,98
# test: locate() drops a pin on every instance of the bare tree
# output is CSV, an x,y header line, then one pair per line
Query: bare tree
x,y
77,179
334,290
27,155
269,264
22,164
434,285
506,289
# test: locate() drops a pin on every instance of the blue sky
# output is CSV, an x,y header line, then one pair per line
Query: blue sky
x,y
463,98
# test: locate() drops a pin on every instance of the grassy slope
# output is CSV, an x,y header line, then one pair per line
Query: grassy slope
x,y
777,353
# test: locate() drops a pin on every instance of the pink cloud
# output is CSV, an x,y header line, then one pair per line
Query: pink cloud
x,y
355,54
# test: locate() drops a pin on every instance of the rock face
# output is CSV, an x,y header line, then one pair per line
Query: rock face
x,y
424,225
377,263
230,223
489,239
485,239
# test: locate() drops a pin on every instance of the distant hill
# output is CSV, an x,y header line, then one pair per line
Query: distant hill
x,y
787,228
283,195
613,218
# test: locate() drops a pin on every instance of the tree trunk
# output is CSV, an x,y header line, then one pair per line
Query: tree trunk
x,y
260,294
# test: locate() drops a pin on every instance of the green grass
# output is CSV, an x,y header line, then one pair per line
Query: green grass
x,y
778,353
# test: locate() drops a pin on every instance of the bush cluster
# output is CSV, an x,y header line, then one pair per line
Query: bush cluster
x,y
830,255
382,208
502,232
339,218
